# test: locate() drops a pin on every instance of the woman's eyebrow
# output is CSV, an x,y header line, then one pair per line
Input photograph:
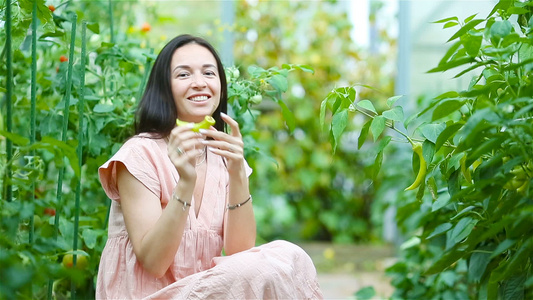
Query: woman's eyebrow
x,y
189,67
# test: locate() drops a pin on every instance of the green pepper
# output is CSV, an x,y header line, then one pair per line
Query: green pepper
x,y
417,148
205,124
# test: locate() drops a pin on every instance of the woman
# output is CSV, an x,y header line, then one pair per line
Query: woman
x,y
180,197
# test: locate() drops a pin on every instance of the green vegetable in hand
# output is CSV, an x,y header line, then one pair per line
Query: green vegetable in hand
x,y
206,123
417,148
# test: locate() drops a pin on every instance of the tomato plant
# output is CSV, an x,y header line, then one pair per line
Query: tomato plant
x,y
468,225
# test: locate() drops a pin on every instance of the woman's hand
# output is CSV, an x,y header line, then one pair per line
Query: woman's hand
x,y
226,145
183,147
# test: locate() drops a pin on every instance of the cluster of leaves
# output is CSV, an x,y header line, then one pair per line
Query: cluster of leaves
x,y
470,220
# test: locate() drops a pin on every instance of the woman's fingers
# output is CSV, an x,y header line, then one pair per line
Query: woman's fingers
x,y
235,131
184,145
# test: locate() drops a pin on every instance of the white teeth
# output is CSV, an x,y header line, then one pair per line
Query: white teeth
x,y
198,98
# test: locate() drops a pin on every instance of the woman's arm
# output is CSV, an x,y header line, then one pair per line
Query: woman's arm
x,y
240,226
155,233
239,223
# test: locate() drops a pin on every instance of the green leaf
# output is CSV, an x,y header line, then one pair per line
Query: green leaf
x,y
470,18
442,228
447,20
472,44
513,288
445,261
89,237
464,211
392,100
377,126
377,165
365,293
485,147
366,104
394,114
412,242
432,131
94,27
506,269
452,64
15,138
103,108
383,143
449,24
305,68
467,27
338,124
462,229
428,150
503,246
478,264
279,83
364,133
454,163
500,29
450,130
287,115
450,52
501,5
441,202
323,106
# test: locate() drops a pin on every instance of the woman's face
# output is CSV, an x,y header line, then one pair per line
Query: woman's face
x,y
195,82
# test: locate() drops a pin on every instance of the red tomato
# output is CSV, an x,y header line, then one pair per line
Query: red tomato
x,y
51,7
50,211
63,58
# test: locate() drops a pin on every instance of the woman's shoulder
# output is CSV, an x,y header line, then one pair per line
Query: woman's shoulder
x,y
143,140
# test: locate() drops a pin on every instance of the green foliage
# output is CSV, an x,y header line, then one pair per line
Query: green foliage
x,y
470,219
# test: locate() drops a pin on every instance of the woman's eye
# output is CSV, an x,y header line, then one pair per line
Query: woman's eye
x,y
182,75
210,73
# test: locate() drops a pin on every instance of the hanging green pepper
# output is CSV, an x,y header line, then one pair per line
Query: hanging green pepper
x,y
417,148
206,123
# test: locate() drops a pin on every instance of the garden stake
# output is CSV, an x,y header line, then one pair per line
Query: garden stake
x,y
33,106
110,10
80,149
8,189
64,135
65,119
112,41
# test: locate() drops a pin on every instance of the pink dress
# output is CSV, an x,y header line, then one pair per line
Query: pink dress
x,y
277,270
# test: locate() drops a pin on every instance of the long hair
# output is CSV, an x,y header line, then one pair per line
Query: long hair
x,y
157,110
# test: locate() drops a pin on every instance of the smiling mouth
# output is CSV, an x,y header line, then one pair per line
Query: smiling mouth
x,y
198,98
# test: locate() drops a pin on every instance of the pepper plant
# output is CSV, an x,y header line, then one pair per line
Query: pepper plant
x,y
468,222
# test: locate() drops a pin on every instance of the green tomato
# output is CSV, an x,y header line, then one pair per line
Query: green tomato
x,y
256,99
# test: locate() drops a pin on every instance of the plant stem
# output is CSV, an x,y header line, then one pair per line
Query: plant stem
x,y
33,105
8,188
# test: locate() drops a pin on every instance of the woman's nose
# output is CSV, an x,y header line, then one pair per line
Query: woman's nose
x,y
198,81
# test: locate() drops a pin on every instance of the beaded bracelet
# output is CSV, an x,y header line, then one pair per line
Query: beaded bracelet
x,y
232,207
185,204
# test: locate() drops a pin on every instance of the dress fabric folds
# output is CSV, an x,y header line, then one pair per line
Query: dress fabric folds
x,y
276,270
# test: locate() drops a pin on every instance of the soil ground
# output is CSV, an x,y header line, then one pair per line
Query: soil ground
x,y
344,269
